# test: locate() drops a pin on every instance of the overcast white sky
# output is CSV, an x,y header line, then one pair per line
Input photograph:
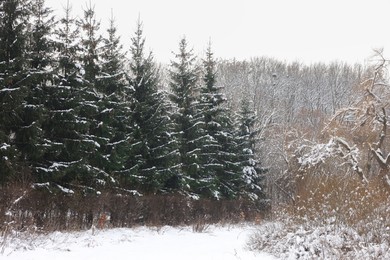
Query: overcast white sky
x,y
304,30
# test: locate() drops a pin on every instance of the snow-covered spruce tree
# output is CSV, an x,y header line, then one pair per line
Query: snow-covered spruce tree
x,y
184,84
92,107
230,180
114,105
40,50
251,174
152,146
13,22
63,129
216,130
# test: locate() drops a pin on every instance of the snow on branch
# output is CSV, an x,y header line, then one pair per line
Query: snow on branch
x,y
4,146
317,154
379,156
336,147
65,190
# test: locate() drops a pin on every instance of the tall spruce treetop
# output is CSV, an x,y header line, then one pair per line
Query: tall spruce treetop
x,y
152,148
113,62
184,85
14,16
41,45
68,46
91,41
212,99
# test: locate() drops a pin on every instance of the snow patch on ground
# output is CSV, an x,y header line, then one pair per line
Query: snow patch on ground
x,y
217,242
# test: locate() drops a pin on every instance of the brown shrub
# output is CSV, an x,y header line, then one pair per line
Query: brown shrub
x,y
339,199
48,210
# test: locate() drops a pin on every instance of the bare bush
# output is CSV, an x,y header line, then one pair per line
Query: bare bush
x,y
44,210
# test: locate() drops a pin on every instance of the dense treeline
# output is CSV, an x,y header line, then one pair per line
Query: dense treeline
x,y
91,134
77,115
82,116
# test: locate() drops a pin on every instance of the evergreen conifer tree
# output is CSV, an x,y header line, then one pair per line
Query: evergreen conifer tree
x,y
252,173
13,61
40,50
64,159
230,180
152,147
114,105
184,84
218,159
91,107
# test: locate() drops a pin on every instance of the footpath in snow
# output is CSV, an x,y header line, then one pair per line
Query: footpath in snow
x,y
225,243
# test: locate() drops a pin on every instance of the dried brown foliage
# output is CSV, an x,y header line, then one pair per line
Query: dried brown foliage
x,y
26,208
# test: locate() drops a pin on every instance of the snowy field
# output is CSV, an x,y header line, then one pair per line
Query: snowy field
x,y
142,243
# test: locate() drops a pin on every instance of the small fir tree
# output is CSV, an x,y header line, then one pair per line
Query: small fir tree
x,y
252,173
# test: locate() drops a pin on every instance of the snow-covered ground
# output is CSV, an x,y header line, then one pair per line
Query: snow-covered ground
x,y
216,242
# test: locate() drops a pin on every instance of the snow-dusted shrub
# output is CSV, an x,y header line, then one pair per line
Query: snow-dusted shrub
x,y
331,217
311,241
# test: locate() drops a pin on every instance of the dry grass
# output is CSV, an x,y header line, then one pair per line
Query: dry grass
x,y
345,199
